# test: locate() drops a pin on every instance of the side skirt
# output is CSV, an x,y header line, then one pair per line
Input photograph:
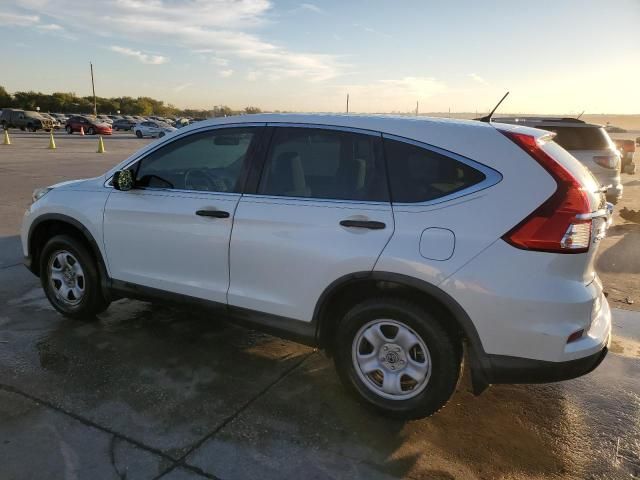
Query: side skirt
x,y
284,327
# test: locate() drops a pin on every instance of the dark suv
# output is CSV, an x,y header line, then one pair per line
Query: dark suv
x,y
24,120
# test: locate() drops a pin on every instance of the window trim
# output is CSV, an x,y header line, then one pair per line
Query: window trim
x,y
251,152
491,176
260,163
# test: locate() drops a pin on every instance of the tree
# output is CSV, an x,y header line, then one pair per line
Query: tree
x,y
250,110
5,98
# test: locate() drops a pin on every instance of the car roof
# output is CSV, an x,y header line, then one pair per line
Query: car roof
x,y
382,123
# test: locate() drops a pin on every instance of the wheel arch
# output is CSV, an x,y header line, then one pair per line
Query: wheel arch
x,y
50,224
350,289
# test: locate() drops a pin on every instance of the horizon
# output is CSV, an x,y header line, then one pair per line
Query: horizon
x,y
302,57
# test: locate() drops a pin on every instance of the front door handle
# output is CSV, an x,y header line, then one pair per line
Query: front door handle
x,y
213,213
371,225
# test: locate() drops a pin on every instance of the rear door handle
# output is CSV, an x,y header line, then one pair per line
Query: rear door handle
x,y
213,213
371,225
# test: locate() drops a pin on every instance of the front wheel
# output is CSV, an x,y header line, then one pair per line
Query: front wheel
x,y
91,131
69,129
70,279
395,356
161,134
138,134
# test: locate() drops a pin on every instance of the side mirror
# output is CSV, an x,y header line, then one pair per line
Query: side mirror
x,y
123,180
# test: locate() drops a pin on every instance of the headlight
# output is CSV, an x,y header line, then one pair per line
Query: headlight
x,y
38,193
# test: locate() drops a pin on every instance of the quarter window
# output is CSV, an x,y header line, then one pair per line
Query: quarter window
x,y
208,161
326,164
419,175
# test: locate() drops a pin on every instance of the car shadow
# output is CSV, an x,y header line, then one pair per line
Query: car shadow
x,y
167,376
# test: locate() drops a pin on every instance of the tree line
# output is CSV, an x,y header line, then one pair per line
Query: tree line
x,y
71,103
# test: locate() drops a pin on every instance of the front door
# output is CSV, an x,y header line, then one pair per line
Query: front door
x,y
172,231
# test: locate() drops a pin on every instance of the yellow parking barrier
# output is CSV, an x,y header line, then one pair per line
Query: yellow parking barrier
x,y
7,140
52,142
100,145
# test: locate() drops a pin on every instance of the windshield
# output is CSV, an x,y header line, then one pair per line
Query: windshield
x,y
581,138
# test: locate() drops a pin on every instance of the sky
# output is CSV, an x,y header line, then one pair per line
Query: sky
x,y
554,56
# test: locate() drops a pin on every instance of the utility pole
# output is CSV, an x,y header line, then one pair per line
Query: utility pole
x,y
347,103
417,106
93,87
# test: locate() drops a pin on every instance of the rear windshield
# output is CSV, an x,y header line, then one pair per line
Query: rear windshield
x,y
581,138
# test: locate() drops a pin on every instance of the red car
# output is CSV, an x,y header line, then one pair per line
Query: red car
x,y
91,125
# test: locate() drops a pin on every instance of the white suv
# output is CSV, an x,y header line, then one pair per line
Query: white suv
x,y
398,245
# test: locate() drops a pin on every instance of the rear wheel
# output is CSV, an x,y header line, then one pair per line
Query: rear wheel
x,y
91,131
70,279
396,357
161,134
138,134
69,129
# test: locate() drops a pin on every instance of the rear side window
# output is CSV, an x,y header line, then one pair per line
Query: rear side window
x,y
580,138
420,175
324,164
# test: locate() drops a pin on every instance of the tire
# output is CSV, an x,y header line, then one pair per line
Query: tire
x,y
91,131
440,363
88,301
69,129
138,134
116,129
161,134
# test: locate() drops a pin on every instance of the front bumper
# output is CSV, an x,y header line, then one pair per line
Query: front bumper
x,y
506,369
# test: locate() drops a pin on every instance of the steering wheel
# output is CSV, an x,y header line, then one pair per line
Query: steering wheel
x,y
199,179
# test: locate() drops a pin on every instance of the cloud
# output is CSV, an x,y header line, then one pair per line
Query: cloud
x,y
225,73
143,57
253,76
51,27
16,19
180,88
311,7
199,26
221,62
478,78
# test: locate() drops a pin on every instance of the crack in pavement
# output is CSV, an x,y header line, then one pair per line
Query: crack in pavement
x,y
175,462
181,462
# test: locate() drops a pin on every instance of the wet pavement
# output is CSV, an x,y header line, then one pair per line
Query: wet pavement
x,y
150,391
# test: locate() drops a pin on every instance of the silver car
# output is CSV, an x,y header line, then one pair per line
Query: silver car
x,y
589,143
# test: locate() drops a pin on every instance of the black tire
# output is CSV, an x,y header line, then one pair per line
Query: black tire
x,y
161,134
69,129
445,354
91,131
93,301
138,134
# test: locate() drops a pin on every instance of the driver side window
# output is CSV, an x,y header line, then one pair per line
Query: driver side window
x,y
209,161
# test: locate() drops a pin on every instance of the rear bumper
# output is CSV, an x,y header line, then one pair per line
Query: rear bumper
x,y
506,369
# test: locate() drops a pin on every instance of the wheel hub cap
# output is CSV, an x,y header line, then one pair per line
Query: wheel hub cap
x,y
66,277
391,359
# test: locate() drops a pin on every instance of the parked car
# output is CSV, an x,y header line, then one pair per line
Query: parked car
x,y
589,143
123,124
105,119
627,149
24,120
395,244
90,125
60,117
152,129
54,120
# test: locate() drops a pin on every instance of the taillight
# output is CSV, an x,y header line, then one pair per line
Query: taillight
x,y
606,161
561,223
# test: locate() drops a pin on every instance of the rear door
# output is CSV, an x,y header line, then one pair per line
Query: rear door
x,y
319,210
